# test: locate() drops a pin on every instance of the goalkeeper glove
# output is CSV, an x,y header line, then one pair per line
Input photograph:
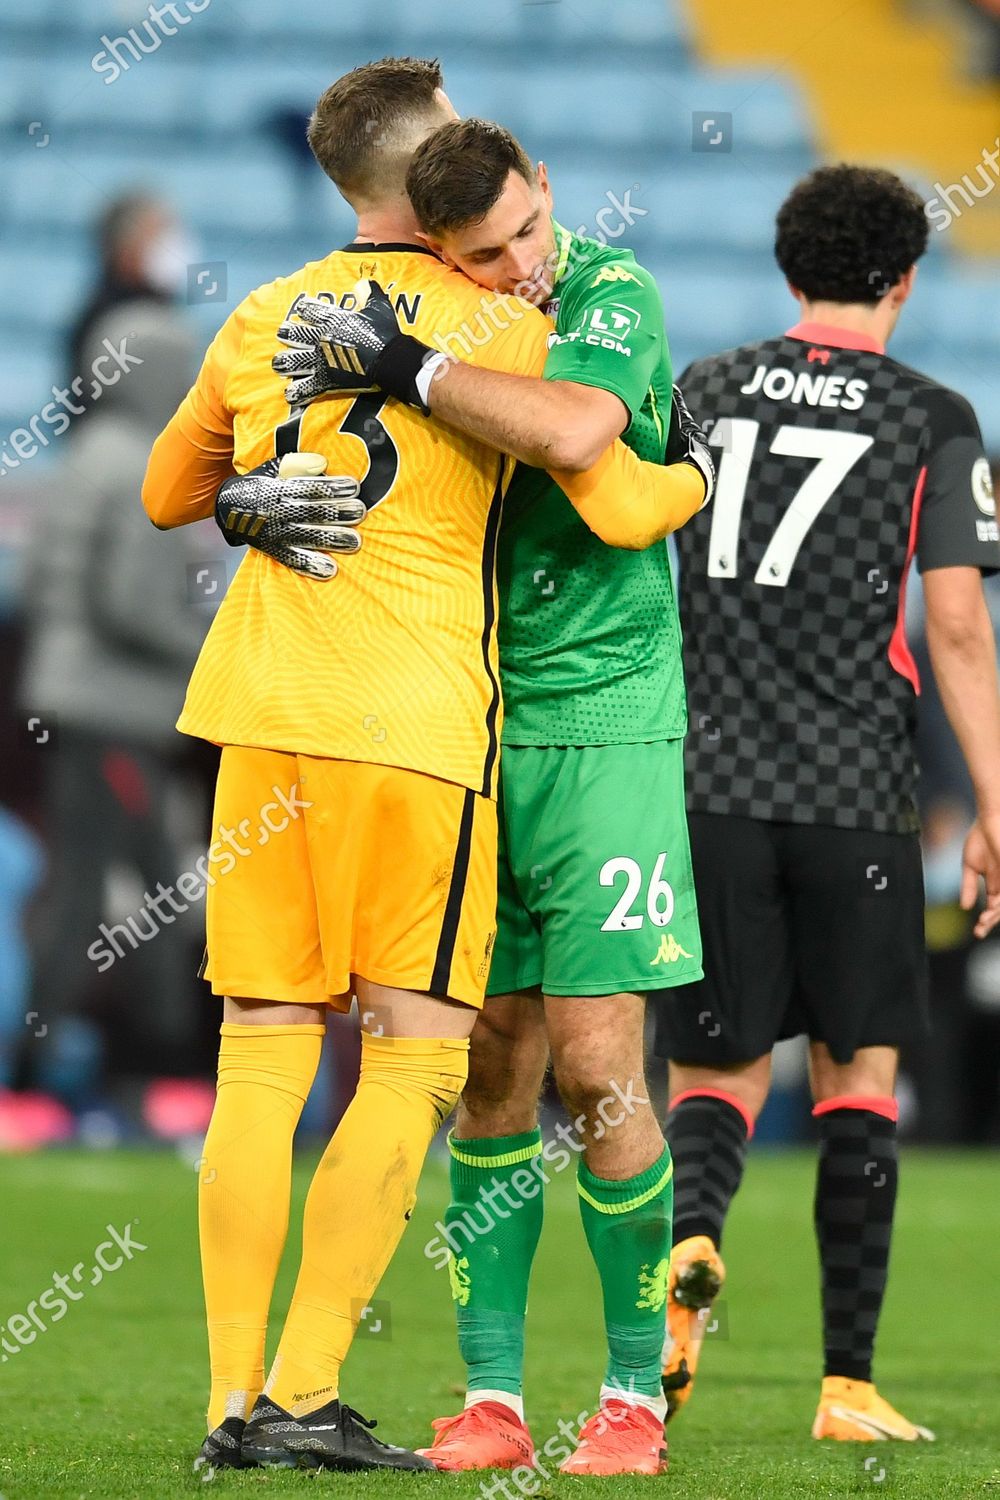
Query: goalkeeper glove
x,y
687,444
330,351
292,511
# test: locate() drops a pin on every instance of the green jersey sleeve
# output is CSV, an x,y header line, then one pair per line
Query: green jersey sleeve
x,y
609,333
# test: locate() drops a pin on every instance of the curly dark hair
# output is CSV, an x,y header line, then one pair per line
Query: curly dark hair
x,y
847,234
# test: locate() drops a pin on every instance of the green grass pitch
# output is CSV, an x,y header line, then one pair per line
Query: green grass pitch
x,y
108,1401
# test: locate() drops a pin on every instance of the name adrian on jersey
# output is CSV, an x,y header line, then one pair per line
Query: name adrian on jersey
x,y
406,307
779,384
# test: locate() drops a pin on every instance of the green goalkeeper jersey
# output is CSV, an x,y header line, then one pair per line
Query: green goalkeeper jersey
x,y
590,642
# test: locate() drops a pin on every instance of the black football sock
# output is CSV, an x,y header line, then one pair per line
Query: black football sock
x,y
707,1131
855,1202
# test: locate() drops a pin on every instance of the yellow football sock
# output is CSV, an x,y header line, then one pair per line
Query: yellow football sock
x,y
265,1074
360,1199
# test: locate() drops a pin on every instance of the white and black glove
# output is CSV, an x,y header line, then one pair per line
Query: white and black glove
x,y
330,351
292,510
687,444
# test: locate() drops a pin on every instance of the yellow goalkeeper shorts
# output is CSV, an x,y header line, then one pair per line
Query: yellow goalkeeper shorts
x,y
321,870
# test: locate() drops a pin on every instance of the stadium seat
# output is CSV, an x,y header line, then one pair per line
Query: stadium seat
x,y
153,100
236,101
723,203
25,388
242,193
954,306
255,21
419,26
41,285
706,312
518,22
91,18
28,14
640,23
525,100
27,90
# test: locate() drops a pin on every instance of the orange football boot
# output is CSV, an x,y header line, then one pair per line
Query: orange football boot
x,y
619,1439
696,1278
487,1435
853,1411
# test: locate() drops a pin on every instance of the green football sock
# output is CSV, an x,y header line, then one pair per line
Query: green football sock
x,y
493,1224
627,1225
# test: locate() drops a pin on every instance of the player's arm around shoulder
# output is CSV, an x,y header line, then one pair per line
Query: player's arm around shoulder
x,y
541,422
490,386
601,358
483,330
609,347
598,366
633,504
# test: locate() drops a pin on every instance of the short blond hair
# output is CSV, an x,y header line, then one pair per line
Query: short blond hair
x,y
364,128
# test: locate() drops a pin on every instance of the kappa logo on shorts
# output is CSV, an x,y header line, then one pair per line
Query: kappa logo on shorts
x,y
669,951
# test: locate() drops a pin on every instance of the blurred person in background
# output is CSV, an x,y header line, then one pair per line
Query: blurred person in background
x,y
143,252
112,634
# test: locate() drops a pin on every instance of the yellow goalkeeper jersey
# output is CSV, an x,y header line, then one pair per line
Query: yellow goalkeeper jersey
x,y
393,661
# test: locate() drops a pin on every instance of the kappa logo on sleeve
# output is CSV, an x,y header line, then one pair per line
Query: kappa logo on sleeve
x,y
613,273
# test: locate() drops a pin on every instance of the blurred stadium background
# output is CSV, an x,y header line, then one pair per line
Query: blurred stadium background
x,y
156,155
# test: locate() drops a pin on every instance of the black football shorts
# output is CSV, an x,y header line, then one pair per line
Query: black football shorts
x,y
806,928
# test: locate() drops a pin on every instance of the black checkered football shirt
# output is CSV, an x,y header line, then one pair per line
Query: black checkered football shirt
x,y
836,466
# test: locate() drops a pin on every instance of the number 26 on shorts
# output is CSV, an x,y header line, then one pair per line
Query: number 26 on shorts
x,y
659,895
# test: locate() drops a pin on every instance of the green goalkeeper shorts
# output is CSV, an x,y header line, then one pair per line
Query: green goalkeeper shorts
x,y
596,893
